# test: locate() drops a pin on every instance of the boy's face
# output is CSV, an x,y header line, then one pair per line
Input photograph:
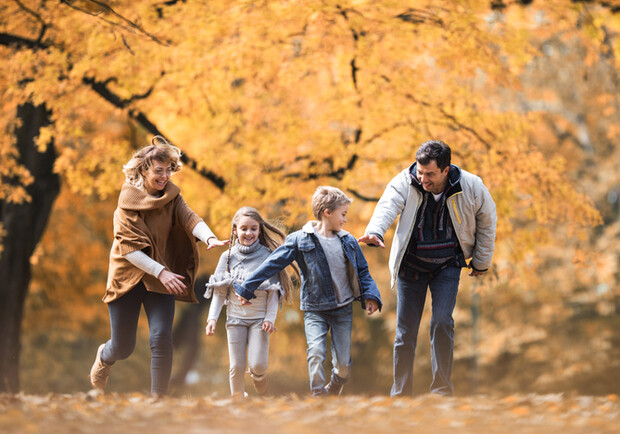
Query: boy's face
x,y
333,220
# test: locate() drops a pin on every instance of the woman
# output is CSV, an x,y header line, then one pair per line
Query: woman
x,y
153,261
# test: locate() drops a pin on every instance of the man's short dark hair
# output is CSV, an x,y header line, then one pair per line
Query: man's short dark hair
x,y
434,150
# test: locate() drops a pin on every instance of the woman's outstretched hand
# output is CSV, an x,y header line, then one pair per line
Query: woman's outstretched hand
x,y
214,242
172,282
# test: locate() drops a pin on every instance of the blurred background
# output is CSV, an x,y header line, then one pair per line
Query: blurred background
x,y
268,100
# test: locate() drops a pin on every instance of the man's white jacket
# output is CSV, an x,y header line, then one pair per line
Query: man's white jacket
x,y
472,211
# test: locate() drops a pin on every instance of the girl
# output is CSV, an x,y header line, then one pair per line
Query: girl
x,y
248,327
153,261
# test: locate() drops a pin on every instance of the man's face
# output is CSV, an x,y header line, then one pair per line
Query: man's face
x,y
431,177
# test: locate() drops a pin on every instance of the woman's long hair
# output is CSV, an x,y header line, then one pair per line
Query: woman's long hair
x,y
160,150
269,236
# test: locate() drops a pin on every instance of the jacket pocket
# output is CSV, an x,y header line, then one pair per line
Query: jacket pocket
x,y
307,246
313,291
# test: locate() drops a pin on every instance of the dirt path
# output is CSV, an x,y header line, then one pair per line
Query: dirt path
x,y
136,413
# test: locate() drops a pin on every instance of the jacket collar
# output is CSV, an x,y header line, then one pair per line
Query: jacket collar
x,y
454,177
309,229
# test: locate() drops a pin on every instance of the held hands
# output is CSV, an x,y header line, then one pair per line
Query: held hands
x,y
242,300
371,240
210,329
269,327
172,282
214,242
371,306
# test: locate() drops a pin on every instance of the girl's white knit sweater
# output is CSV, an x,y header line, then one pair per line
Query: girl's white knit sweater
x,y
243,261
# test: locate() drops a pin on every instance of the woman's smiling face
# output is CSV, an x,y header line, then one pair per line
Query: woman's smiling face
x,y
156,177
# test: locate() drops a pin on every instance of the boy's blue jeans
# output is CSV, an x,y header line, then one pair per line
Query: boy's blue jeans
x,y
124,315
317,324
411,298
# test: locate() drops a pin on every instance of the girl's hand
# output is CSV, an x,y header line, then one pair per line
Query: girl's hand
x,y
214,242
210,327
172,282
269,327
242,300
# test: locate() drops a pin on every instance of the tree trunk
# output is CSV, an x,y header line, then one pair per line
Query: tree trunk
x,y
24,225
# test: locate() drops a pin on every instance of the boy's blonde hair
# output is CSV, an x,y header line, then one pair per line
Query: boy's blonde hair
x,y
328,198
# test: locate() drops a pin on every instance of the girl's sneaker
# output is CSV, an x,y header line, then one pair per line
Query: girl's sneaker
x,y
260,386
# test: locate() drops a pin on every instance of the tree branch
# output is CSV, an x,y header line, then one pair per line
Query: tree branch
x,y
7,39
362,197
384,131
160,6
337,173
453,119
465,127
36,16
101,88
104,8
419,16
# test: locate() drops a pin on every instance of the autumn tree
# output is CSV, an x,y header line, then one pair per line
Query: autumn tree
x,y
268,100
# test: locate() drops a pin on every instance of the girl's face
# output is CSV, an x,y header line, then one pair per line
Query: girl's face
x,y
156,177
247,230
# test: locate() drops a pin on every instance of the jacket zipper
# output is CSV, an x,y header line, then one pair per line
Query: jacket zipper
x,y
402,252
456,211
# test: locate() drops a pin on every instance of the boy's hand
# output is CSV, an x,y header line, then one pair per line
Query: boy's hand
x,y
371,306
242,300
210,327
371,240
269,327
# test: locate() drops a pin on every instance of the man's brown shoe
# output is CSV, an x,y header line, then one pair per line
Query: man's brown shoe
x,y
100,371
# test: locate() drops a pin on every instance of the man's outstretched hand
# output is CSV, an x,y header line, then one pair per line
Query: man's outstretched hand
x,y
371,240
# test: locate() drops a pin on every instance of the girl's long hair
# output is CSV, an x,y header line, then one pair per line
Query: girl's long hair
x,y
159,150
269,236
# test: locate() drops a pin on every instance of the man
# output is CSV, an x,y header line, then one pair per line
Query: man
x,y
446,217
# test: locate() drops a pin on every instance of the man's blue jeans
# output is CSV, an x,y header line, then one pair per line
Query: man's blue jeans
x,y
317,324
411,298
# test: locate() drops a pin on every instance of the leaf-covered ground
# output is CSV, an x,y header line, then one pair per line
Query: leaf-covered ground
x,y
136,413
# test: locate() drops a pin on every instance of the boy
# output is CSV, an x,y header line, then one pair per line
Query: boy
x,y
334,273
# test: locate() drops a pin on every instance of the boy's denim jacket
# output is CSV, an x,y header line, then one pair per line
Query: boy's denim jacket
x,y
317,292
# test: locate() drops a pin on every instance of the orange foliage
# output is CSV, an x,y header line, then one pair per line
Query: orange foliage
x,y
279,97
135,412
